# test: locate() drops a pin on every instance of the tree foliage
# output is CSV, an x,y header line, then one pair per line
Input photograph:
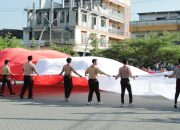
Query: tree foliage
x,y
68,49
94,40
156,47
10,42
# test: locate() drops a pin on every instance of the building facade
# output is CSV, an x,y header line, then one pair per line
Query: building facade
x,y
73,22
155,22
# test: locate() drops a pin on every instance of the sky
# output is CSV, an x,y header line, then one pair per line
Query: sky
x,y
13,16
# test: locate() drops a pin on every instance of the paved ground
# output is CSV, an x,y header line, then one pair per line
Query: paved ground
x,y
50,112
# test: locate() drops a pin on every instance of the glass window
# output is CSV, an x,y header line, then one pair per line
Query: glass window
x,y
76,17
67,17
38,15
113,25
103,40
103,23
83,37
47,17
62,17
72,34
55,19
94,20
84,17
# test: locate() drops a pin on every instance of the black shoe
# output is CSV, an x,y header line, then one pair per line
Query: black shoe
x,y
175,106
21,97
2,95
13,94
30,97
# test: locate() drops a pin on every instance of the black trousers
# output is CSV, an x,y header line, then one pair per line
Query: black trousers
x,y
125,84
177,90
93,86
68,86
6,79
28,82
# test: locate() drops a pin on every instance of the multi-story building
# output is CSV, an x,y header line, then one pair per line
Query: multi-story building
x,y
73,21
155,22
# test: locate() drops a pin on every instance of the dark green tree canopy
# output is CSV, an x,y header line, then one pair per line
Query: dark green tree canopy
x,y
156,47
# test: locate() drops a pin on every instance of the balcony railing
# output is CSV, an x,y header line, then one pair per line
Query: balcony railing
x,y
110,13
46,42
117,15
155,22
66,41
116,31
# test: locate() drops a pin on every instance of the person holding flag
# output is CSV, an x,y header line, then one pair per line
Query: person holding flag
x,y
176,73
124,73
93,72
6,71
29,70
68,84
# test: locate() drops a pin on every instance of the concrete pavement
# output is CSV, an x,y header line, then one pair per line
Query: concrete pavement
x,y
50,112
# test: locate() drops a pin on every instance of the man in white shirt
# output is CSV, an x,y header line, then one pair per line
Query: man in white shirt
x,y
6,71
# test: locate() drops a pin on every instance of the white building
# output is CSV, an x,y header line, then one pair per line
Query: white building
x,y
72,21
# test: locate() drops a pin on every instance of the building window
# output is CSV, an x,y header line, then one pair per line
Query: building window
x,y
103,41
113,25
66,1
38,15
55,15
47,18
55,19
83,37
103,23
84,18
71,34
67,17
62,17
30,35
76,17
161,18
94,20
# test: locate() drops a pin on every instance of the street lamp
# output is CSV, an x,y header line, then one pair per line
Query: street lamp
x,y
85,49
50,28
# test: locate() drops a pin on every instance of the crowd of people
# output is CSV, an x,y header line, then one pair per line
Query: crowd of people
x,y
158,69
92,72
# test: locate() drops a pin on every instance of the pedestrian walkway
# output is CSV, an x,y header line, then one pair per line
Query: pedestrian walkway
x,y
50,112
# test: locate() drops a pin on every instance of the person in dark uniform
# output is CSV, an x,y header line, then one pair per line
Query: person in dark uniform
x,y
68,84
124,74
6,71
176,73
29,70
93,72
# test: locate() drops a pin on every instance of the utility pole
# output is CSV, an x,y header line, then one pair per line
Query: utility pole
x,y
33,20
51,21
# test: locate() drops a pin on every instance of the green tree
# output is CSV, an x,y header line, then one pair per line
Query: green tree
x,y
68,49
94,40
156,47
10,42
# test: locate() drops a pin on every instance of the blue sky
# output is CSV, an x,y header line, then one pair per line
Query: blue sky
x,y
12,14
